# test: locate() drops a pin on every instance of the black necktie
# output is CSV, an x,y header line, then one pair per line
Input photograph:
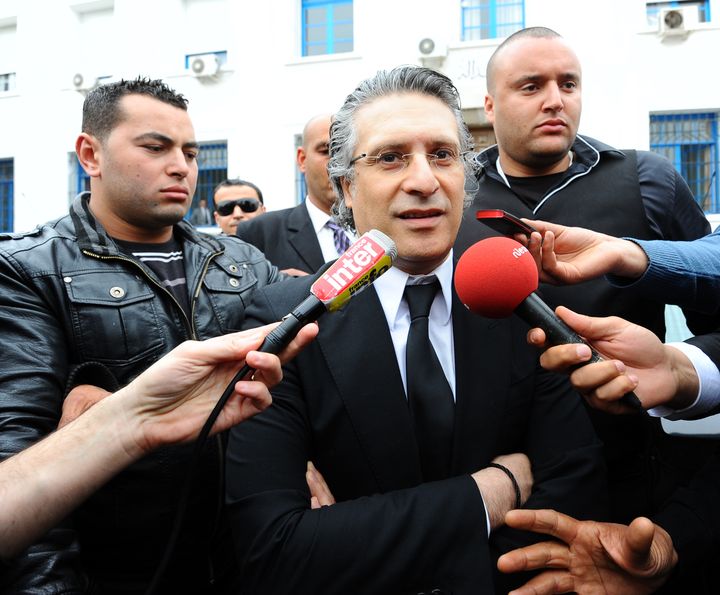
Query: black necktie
x,y
429,395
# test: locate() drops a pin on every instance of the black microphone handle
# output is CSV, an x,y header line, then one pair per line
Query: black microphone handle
x,y
538,314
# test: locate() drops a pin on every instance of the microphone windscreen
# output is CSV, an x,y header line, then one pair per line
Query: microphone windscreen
x,y
494,276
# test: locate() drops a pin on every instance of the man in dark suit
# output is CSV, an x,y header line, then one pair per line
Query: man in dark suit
x,y
414,473
301,239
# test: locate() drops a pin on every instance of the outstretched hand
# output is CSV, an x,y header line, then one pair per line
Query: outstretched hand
x,y
590,558
635,360
568,255
171,400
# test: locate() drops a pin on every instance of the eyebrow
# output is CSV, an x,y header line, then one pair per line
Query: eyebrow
x,y
165,140
534,78
400,146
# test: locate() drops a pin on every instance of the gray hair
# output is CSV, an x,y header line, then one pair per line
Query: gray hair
x,y
343,133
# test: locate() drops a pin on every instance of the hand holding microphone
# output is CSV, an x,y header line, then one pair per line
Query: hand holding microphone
x,y
497,277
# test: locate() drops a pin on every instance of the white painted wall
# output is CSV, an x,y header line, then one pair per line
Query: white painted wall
x,y
267,92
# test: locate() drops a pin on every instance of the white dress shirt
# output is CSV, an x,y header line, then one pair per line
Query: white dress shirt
x,y
709,391
390,288
324,234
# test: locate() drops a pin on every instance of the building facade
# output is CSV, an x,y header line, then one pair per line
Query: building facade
x,y
256,71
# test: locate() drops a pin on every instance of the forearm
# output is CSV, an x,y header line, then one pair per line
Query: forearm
x,y
42,484
417,532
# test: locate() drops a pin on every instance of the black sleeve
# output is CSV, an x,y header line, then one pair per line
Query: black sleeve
x,y
381,543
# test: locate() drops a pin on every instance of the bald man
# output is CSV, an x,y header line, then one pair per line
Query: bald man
x,y
301,239
541,168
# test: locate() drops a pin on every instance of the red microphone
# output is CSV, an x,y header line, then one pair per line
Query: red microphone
x,y
497,277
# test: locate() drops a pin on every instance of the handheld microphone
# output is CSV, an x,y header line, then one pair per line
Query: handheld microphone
x,y
364,261
358,267
497,277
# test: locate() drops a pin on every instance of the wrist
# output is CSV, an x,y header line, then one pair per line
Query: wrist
x,y
497,493
630,259
687,384
513,481
124,423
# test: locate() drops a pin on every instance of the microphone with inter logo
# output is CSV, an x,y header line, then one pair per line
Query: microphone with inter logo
x,y
497,277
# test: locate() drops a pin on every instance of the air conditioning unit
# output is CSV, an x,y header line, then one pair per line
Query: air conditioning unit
x,y
677,22
83,82
204,65
432,55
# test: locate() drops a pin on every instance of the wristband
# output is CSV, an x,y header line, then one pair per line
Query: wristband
x,y
518,498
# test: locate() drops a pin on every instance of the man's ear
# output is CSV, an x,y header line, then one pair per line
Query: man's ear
x,y
490,108
346,187
300,158
88,150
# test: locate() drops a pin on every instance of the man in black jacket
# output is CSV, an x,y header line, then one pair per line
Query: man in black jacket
x,y
89,301
542,169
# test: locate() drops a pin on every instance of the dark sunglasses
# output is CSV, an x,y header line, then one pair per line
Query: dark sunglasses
x,y
247,205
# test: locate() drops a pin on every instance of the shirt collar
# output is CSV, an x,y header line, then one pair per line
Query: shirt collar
x,y
318,217
391,286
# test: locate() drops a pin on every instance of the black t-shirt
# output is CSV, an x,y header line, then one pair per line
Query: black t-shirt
x,y
532,189
166,261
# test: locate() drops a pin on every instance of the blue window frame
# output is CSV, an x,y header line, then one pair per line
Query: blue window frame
x,y
327,27
7,175
691,142
491,19
212,169
652,9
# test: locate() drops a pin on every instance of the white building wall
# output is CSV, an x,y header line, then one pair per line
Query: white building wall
x,y
266,92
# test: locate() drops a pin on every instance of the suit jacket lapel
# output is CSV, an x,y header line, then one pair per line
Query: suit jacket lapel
x,y
371,389
302,238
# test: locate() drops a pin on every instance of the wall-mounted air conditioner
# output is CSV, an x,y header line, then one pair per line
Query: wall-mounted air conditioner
x,y
204,65
677,22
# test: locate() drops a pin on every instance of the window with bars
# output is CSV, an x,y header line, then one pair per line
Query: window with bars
x,y
690,142
7,82
491,19
652,9
7,175
212,169
327,27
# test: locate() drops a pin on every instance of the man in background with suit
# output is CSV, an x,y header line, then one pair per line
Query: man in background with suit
x,y
201,214
299,240
236,200
409,446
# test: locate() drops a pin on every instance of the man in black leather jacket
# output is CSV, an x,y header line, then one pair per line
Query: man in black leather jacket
x,y
91,300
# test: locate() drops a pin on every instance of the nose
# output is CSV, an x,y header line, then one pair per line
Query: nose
x,y
178,164
420,176
553,98
238,212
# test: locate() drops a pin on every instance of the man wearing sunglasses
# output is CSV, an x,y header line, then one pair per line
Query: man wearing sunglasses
x,y
236,200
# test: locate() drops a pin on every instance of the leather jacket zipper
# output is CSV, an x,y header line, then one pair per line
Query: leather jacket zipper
x,y
189,327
